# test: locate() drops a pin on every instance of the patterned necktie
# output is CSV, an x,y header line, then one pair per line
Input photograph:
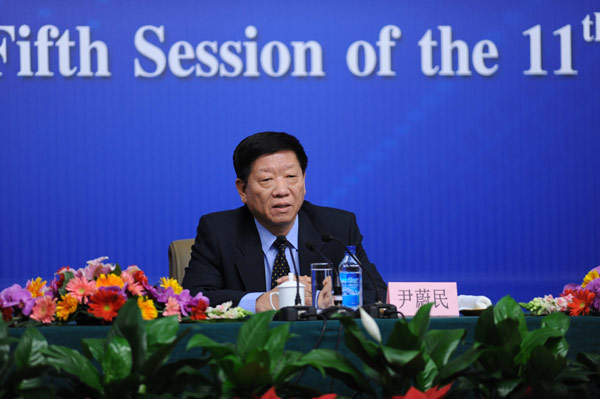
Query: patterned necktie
x,y
280,267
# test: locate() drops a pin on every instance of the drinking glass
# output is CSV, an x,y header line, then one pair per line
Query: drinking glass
x,y
320,272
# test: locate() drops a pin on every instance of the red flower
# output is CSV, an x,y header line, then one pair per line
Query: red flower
x,y
431,393
199,311
106,302
567,292
271,394
582,300
61,276
140,277
7,314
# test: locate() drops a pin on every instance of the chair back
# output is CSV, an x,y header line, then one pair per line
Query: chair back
x,y
180,252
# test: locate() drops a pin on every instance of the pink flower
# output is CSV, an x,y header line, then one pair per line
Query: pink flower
x,y
95,267
563,301
134,288
44,309
172,308
81,289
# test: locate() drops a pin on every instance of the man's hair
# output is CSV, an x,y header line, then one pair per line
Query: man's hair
x,y
259,144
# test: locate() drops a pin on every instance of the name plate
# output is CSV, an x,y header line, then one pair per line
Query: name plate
x,y
409,297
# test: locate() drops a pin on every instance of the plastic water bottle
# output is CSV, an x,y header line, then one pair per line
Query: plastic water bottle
x,y
351,280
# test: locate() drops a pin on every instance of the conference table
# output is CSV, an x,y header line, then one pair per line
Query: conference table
x,y
582,335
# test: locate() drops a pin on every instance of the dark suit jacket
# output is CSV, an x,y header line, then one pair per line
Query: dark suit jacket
x,y
227,260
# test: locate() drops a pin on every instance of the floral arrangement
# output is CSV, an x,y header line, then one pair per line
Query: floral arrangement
x,y
576,300
96,292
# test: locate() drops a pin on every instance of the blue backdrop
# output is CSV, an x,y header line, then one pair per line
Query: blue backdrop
x,y
489,179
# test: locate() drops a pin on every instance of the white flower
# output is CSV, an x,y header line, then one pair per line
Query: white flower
x,y
370,325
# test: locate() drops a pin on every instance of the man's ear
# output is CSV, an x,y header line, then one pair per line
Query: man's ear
x,y
241,188
304,177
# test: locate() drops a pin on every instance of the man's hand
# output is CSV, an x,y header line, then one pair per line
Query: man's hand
x,y
263,304
325,298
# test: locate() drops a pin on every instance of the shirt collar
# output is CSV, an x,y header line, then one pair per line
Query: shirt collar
x,y
267,238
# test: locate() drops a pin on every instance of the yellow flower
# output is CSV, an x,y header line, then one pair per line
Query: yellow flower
x,y
35,287
147,308
112,280
592,275
171,282
66,306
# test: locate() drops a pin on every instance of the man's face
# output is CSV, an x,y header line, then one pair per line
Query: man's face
x,y
275,190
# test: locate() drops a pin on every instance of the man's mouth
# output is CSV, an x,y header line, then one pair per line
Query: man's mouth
x,y
281,206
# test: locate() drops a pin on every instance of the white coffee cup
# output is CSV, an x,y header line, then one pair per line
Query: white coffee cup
x,y
286,292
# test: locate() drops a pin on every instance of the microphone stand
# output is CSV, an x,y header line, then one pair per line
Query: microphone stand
x,y
337,308
297,312
378,310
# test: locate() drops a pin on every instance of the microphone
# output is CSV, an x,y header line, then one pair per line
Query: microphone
x,y
337,286
328,238
378,309
282,240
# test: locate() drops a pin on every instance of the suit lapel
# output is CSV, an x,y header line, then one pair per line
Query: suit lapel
x,y
250,262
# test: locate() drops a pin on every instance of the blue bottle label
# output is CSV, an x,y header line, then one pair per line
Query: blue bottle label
x,y
350,289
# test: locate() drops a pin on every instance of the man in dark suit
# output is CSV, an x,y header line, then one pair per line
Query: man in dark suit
x,y
234,257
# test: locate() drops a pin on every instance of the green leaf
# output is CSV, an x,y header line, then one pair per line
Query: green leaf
x,y
402,337
334,364
510,336
161,332
457,365
93,348
217,349
178,376
63,289
254,332
543,366
441,344
506,387
36,389
398,358
276,341
557,321
29,349
75,364
420,323
486,331
116,363
161,355
366,350
535,339
590,360
425,378
130,325
229,364
507,308
252,377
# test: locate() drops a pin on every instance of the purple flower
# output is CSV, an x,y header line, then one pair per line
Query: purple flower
x,y
152,292
594,286
199,297
186,302
162,295
16,295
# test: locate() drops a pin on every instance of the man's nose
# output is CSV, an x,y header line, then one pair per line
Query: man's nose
x,y
281,187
